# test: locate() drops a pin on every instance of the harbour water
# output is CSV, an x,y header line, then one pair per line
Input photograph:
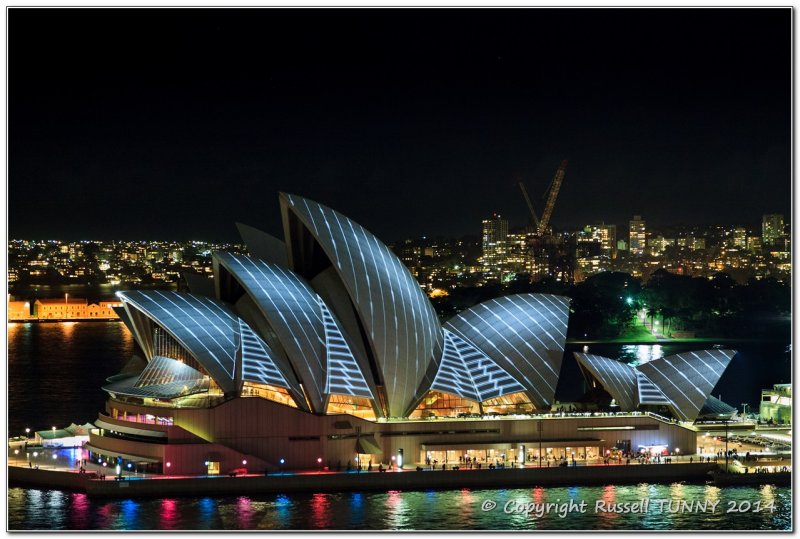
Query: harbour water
x,y
56,371
718,509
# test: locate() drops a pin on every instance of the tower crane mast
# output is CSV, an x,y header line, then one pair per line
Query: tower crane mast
x,y
555,186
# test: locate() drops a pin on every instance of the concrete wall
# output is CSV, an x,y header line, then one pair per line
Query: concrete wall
x,y
269,432
18,475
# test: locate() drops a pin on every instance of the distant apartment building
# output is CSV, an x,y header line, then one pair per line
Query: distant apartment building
x,y
519,258
603,234
740,238
638,240
698,244
771,228
78,308
657,245
608,239
494,243
754,243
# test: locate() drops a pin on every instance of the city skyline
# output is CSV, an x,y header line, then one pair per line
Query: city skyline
x,y
223,108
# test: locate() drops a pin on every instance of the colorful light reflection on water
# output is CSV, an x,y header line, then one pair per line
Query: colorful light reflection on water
x,y
32,509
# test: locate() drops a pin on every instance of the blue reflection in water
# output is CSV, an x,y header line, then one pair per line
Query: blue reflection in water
x,y
207,512
128,515
283,512
356,510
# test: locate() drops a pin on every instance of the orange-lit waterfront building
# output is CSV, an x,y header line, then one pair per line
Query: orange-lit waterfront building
x,y
73,308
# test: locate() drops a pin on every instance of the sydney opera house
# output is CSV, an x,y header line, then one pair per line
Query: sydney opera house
x,y
321,349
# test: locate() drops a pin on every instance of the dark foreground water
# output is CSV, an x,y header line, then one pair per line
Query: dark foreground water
x,y
444,510
55,372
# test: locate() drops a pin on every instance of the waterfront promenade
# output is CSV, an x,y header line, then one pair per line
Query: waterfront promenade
x,y
62,472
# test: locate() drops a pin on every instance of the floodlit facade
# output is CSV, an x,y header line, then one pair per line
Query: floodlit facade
x,y
681,383
321,349
776,404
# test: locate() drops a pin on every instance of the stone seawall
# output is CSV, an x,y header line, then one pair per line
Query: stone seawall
x,y
407,480
31,477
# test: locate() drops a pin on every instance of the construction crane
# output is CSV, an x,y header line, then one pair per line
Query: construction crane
x,y
552,194
534,224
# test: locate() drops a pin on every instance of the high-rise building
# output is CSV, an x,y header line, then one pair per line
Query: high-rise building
x,y
495,233
740,237
637,236
754,243
519,258
605,236
771,228
698,244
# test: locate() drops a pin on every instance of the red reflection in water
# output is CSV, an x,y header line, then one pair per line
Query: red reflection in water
x,y
105,516
79,511
609,497
169,514
538,495
244,512
393,500
467,500
320,506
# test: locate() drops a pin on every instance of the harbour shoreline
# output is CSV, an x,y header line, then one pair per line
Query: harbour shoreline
x,y
365,481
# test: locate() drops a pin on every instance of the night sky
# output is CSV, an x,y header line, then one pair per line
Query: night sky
x,y
175,124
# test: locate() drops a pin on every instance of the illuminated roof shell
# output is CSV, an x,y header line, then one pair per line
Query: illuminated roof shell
x,y
618,378
683,382
524,334
401,326
687,379
163,378
205,327
467,372
307,331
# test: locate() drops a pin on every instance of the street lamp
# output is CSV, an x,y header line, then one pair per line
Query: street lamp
x,y
726,444
539,428
16,455
27,433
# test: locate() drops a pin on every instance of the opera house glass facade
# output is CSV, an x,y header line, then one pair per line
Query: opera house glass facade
x,y
321,349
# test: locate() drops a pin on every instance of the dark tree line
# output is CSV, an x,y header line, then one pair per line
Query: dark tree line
x,y
605,305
